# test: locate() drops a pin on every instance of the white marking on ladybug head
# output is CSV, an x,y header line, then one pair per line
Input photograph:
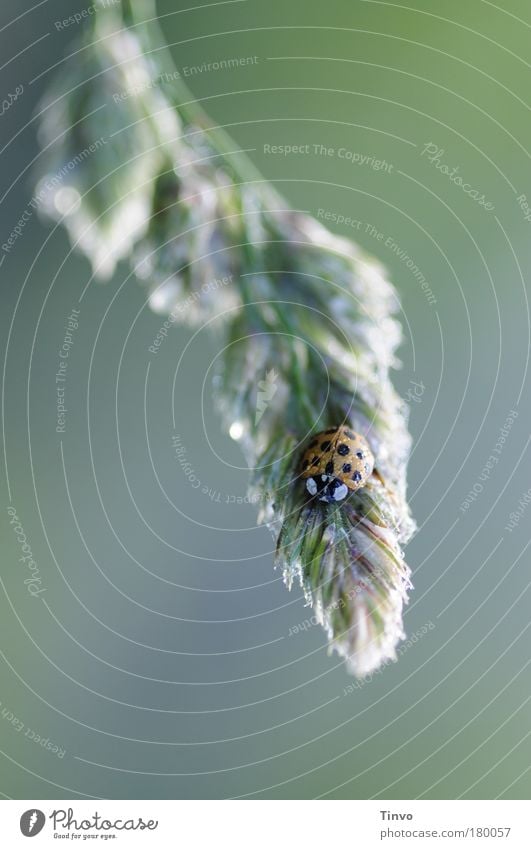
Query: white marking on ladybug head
x,y
311,486
340,492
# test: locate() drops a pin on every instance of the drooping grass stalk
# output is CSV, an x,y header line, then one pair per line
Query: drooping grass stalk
x,y
308,318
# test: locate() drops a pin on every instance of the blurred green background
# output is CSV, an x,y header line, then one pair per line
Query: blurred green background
x,y
159,659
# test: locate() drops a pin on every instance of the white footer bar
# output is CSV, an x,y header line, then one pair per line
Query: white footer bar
x,y
268,824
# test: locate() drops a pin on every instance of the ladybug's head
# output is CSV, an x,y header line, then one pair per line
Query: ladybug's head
x,y
327,488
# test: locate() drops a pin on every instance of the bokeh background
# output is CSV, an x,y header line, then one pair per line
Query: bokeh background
x,y
159,660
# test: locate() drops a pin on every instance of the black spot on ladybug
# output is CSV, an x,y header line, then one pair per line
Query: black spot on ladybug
x,y
305,464
356,477
329,468
313,443
359,454
331,430
347,468
315,461
325,446
343,449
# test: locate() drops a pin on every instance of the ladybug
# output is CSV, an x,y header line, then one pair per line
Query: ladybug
x,y
336,462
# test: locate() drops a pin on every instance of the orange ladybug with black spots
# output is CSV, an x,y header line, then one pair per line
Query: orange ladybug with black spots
x,y
337,462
